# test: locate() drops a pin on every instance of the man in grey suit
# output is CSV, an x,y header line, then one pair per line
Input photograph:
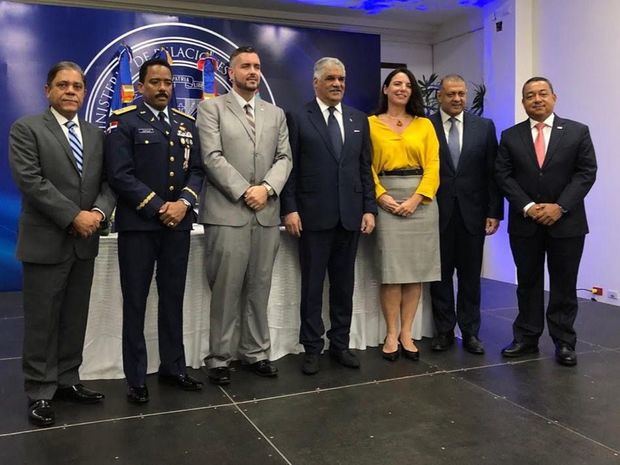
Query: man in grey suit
x,y
247,157
57,162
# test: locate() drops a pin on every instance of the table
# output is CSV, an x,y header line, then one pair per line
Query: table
x,y
103,341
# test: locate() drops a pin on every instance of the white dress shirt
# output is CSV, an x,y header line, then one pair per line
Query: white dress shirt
x,y
337,114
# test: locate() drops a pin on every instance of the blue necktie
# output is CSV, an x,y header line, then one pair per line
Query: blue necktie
x,y
76,145
334,132
453,142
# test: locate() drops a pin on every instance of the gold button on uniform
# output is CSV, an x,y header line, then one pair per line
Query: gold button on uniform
x,y
171,173
171,143
171,158
146,141
171,188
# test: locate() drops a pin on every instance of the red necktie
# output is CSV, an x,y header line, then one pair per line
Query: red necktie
x,y
539,144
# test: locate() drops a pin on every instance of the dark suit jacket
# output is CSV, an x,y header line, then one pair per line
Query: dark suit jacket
x,y
320,188
471,183
565,178
53,193
147,167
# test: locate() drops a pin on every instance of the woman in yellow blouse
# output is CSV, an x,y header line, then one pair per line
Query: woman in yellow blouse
x,y
405,167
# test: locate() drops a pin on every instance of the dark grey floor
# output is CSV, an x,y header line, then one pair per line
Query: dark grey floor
x,y
449,408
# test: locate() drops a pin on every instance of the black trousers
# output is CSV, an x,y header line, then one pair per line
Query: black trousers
x,y
334,251
462,251
563,257
138,252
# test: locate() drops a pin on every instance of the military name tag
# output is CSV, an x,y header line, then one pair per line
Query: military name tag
x,y
146,131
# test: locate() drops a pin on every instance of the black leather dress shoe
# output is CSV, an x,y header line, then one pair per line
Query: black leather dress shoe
x,y
138,394
219,375
565,355
411,354
79,393
443,341
310,365
185,382
264,368
473,345
391,356
345,358
40,413
518,349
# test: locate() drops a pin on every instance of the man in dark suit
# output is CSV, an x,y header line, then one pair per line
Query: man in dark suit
x,y
57,162
153,163
546,165
470,207
328,199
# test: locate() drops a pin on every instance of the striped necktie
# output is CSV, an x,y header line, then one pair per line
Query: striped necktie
x,y
250,117
76,145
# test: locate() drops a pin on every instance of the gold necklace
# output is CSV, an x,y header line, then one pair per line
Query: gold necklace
x,y
399,123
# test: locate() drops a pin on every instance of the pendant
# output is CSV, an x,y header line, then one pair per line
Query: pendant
x,y
399,123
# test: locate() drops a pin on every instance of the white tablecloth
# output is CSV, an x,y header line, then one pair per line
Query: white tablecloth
x,y
102,348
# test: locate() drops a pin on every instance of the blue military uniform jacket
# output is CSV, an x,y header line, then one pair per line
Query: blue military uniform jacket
x,y
148,164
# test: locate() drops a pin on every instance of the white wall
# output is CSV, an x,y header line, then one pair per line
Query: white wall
x,y
577,45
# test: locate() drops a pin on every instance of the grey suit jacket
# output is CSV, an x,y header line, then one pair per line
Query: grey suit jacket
x,y
53,192
235,159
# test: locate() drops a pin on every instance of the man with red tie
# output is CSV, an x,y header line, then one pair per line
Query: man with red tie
x,y
546,165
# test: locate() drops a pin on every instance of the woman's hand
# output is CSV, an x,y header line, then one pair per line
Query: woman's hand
x,y
388,203
409,206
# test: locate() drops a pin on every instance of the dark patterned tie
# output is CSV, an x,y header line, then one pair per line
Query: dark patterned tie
x,y
76,145
164,122
333,128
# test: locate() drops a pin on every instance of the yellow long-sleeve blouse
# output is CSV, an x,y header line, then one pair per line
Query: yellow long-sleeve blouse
x,y
416,147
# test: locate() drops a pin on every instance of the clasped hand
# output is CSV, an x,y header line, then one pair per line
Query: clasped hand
x,y
172,213
545,213
86,223
405,208
256,197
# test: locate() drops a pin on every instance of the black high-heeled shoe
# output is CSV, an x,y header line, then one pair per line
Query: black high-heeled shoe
x,y
391,356
411,354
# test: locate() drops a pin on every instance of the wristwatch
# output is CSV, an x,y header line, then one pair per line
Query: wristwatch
x,y
270,191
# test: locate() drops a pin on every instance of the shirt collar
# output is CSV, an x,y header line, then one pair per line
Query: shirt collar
x,y
156,112
445,116
243,102
323,106
548,121
62,120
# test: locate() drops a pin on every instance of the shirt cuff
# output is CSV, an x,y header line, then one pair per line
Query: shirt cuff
x,y
527,207
95,209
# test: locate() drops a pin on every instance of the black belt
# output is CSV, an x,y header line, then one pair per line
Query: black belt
x,y
410,172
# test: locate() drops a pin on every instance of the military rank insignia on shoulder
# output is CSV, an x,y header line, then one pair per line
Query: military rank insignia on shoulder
x,y
179,112
122,111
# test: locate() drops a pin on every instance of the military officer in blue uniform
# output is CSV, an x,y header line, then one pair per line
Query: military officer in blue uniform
x,y
153,163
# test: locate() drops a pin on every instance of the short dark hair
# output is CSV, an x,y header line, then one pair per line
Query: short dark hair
x,y
451,78
144,69
54,70
536,79
240,50
415,105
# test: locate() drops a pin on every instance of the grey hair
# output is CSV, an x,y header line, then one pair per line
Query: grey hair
x,y
324,62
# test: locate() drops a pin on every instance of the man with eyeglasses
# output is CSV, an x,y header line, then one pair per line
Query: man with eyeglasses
x,y
56,159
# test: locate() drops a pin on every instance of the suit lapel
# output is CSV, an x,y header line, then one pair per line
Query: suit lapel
x,y
525,131
259,117
557,131
469,134
316,118
443,143
238,112
54,127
